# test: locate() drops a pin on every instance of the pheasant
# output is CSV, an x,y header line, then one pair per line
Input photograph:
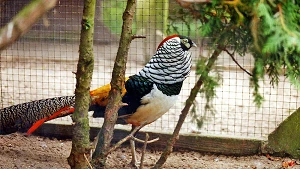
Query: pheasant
x,y
154,90
148,94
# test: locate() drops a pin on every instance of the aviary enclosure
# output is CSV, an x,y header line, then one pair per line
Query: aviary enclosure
x,y
41,64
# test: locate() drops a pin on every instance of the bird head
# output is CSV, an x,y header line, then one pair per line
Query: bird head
x,y
185,42
171,62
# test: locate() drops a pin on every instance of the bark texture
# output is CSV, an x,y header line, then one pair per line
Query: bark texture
x,y
80,140
23,21
185,110
118,80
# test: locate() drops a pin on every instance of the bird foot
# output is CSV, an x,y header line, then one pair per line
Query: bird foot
x,y
134,162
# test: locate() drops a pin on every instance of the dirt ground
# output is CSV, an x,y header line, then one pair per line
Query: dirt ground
x,y
19,151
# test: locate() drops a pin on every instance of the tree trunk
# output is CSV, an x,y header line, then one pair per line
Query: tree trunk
x,y
118,80
23,21
186,109
80,141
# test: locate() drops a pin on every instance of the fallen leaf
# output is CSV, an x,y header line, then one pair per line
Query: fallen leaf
x,y
272,158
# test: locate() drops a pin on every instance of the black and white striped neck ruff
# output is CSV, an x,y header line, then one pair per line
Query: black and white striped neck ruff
x,y
170,64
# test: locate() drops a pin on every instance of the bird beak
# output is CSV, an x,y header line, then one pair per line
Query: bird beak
x,y
194,45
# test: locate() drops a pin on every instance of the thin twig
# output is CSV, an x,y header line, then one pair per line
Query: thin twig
x,y
91,167
196,1
235,61
144,150
142,141
137,36
118,144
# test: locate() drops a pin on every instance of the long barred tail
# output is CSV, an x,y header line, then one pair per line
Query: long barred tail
x,y
32,115
22,116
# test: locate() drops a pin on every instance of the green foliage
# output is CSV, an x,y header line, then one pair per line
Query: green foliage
x,y
86,25
112,12
181,22
278,42
269,30
209,83
208,90
148,14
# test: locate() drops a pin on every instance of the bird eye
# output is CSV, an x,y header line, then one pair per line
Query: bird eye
x,y
185,40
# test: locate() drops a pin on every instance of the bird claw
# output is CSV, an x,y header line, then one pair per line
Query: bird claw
x,y
124,104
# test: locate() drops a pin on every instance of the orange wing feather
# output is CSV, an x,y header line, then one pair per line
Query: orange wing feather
x,y
99,96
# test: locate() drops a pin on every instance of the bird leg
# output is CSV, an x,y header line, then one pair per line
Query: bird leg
x,y
134,130
132,140
134,160
144,151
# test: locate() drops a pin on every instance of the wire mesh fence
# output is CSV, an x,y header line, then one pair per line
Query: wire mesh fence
x,y
41,65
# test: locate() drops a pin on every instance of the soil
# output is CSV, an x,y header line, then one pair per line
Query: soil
x,y
19,151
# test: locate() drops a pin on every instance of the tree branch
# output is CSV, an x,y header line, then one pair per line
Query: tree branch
x,y
23,21
117,83
118,144
137,36
85,67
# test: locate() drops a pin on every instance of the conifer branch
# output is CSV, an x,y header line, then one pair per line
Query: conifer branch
x,y
282,21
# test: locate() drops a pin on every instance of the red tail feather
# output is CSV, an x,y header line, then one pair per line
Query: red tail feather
x,y
62,112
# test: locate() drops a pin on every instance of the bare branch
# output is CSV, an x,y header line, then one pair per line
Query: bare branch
x,y
142,141
137,36
118,144
87,160
23,21
115,94
236,62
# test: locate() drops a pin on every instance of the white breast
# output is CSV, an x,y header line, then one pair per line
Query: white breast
x,y
155,104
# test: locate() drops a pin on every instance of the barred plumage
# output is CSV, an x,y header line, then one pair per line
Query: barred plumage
x,y
154,90
170,64
22,116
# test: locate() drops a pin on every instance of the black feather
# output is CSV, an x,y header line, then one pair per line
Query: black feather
x,y
136,88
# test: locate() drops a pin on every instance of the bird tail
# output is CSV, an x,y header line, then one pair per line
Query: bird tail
x,y
22,116
60,113
33,114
